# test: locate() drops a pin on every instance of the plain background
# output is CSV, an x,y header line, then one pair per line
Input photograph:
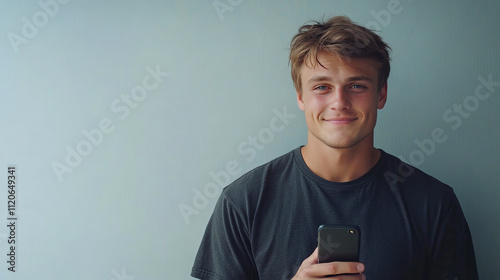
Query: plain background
x,y
135,202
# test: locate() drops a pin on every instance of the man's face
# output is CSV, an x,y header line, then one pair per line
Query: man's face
x,y
340,101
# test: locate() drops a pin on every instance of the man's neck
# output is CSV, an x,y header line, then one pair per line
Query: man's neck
x,y
340,165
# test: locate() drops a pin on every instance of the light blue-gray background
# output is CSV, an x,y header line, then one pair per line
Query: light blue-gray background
x,y
219,113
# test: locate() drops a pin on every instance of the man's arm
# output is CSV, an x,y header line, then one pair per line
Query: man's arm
x,y
453,255
225,250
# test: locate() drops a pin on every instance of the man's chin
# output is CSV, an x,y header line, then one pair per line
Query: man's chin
x,y
340,145
342,142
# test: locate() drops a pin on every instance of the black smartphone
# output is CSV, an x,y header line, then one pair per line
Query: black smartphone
x,y
338,243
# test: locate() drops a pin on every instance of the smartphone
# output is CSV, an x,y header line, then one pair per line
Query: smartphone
x,y
338,243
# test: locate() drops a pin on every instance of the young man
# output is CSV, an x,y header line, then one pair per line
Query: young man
x,y
265,223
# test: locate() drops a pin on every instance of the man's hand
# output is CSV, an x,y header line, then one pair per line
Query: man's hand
x,y
311,269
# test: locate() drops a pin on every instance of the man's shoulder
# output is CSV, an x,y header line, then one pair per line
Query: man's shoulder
x,y
254,180
413,181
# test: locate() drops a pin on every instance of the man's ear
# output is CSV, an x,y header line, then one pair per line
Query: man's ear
x,y
382,97
300,102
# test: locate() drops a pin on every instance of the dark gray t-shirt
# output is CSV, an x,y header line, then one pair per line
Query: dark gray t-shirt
x,y
265,223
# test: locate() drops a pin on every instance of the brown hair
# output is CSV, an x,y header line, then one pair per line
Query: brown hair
x,y
339,36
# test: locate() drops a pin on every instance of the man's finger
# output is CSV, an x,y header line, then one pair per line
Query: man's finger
x,y
336,268
312,259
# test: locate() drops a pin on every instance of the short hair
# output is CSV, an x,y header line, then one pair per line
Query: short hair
x,y
339,36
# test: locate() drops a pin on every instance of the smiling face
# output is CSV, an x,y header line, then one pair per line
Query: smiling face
x,y
340,101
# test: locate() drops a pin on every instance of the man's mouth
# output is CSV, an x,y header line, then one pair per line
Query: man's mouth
x,y
341,120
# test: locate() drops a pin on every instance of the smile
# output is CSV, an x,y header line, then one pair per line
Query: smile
x,y
338,121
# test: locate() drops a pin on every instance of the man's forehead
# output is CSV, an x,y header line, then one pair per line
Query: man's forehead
x,y
351,68
325,59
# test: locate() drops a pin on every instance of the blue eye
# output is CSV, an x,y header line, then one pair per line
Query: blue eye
x,y
322,88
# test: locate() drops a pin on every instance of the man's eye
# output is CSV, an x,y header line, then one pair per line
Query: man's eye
x,y
322,88
357,86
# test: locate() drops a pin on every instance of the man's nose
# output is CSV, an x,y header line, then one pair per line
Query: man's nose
x,y
339,100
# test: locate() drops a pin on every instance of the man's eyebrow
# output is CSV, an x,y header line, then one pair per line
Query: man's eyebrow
x,y
360,78
350,79
318,79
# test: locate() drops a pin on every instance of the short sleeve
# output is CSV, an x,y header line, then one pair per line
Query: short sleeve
x,y
225,251
453,255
